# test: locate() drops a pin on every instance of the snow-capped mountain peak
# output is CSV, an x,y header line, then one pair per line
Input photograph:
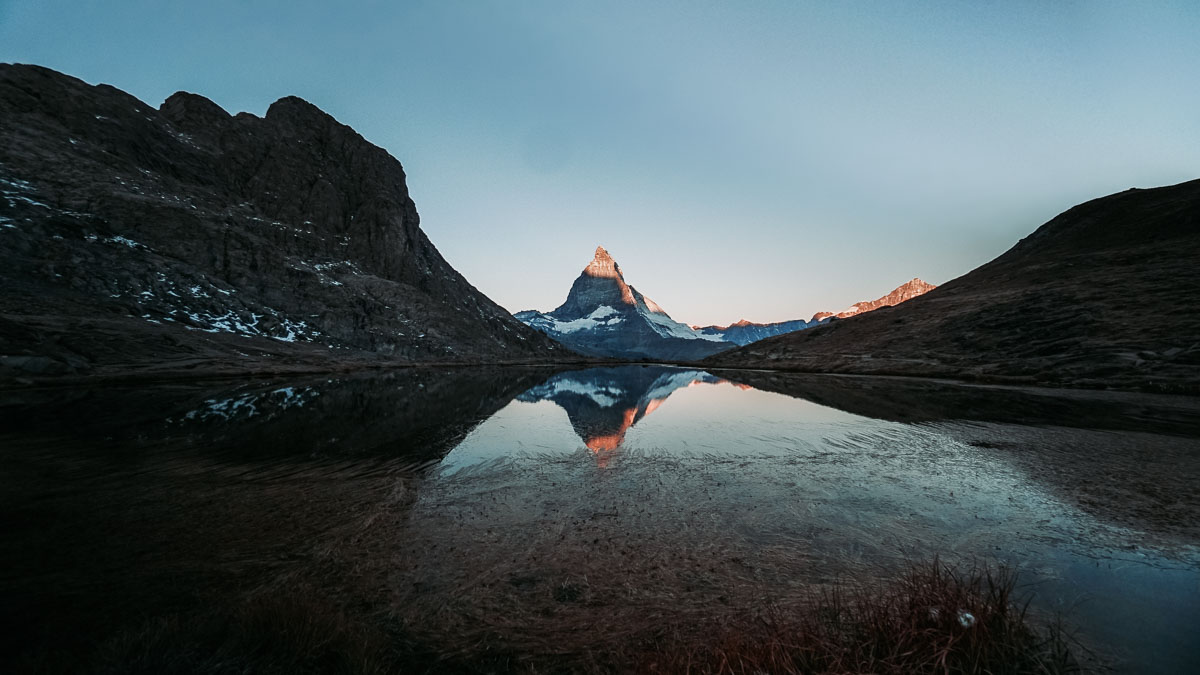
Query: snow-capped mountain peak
x,y
605,316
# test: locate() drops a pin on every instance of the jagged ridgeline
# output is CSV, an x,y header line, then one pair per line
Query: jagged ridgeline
x,y
744,332
605,316
184,236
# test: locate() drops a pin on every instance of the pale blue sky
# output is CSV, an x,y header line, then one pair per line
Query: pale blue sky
x,y
741,159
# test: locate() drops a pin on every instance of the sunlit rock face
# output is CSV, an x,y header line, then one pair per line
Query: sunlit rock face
x,y
601,284
605,316
907,291
131,235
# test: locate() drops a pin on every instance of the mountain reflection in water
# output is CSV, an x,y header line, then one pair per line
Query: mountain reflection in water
x,y
603,403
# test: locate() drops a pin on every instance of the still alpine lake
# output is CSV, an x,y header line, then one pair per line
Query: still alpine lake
x,y
544,512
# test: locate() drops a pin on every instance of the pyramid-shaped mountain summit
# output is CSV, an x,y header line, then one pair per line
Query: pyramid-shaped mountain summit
x,y
605,316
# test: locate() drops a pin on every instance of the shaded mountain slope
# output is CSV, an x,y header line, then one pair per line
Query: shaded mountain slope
x,y
606,317
1102,295
184,237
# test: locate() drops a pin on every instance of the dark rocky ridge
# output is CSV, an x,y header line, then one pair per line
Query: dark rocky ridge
x,y
135,239
1102,295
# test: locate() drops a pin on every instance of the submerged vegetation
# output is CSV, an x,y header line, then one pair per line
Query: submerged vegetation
x,y
934,619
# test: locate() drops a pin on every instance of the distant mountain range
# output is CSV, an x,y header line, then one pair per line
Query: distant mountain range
x,y
1102,295
605,316
183,238
744,332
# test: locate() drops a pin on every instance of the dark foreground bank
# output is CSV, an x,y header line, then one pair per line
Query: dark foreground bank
x,y
934,619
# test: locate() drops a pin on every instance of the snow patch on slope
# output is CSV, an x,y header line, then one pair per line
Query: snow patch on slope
x,y
590,322
667,327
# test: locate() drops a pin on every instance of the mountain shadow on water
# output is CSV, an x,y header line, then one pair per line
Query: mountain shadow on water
x,y
414,415
919,400
120,504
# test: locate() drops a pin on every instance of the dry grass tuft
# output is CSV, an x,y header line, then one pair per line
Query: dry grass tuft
x,y
936,620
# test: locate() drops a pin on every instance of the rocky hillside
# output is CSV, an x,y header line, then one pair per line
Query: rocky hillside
x,y
137,239
1102,295
604,316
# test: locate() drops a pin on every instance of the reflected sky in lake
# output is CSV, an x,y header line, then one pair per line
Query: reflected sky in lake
x,y
609,409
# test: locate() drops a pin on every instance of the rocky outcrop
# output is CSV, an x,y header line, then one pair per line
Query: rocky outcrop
x,y
606,317
906,291
188,238
1100,296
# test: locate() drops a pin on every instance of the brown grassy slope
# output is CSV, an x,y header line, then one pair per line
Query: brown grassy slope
x,y
1105,294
